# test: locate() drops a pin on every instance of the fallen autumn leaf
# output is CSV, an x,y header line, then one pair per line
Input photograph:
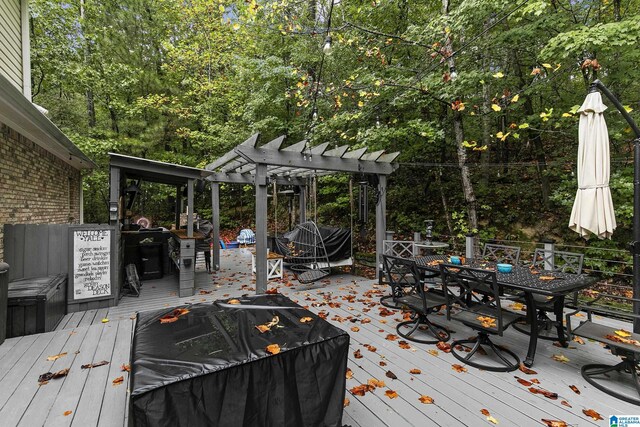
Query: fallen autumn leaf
x,y
56,357
426,399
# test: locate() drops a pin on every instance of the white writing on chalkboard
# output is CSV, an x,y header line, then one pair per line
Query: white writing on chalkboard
x,y
91,263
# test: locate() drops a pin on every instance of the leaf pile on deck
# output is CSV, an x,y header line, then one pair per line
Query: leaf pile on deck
x,y
554,423
458,368
94,365
48,376
174,315
125,367
267,326
117,381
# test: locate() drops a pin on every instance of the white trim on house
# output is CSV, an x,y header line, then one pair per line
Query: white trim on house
x,y
26,49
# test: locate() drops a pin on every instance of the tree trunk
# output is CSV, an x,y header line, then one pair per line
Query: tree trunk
x,y
91,110
486,134
467,185
445,205
112,115
535,138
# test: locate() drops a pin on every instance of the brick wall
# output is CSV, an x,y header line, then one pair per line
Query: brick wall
x,y
36,187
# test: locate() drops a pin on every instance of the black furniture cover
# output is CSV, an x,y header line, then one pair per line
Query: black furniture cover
x,y
337,241
210,367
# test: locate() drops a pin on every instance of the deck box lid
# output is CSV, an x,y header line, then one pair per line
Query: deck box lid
x,y
36,287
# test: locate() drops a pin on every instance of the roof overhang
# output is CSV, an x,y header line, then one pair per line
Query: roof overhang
x,y
21,115
155,171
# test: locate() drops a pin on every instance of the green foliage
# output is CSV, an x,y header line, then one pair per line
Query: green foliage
x,y
184,82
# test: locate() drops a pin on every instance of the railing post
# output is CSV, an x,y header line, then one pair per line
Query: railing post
x,y
469,251
389,235
549,258
417,237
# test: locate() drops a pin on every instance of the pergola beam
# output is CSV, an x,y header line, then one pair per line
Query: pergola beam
x,y
231,155
291,159
337,152
246,178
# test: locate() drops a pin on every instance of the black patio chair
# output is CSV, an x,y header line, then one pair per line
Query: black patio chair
x,y
473,298
623,379
409,291
551,261
397,286
501,253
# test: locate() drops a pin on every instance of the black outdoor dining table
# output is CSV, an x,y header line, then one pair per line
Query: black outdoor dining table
x,y
523,279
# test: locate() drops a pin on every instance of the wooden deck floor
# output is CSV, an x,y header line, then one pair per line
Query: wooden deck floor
x,y
458,398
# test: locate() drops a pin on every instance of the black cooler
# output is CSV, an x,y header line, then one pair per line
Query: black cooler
x,y
36,305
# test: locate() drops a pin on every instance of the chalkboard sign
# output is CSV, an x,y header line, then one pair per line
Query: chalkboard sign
x,y
91,268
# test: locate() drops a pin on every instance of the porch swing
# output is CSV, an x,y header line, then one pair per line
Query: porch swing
x,y
304,247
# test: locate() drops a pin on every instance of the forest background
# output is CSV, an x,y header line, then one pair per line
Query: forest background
x,y
479,96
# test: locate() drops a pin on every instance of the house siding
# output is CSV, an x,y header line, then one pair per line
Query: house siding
x,y
11,60
36,187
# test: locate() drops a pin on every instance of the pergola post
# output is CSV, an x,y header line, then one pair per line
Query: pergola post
x,y
215,220
303,203
190,208
114,196
381,221
261,228
178,205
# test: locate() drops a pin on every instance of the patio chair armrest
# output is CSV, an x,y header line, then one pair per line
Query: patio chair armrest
x,y
568,320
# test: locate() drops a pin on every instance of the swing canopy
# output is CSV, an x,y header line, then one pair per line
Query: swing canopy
x,y
276,162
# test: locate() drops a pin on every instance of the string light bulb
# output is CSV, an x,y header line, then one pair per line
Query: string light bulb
x,y
327,45
377,121
453,73
314,116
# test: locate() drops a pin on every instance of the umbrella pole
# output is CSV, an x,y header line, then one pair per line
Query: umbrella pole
x,y
635,245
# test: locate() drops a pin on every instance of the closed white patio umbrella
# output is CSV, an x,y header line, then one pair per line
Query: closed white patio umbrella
x,y
593,209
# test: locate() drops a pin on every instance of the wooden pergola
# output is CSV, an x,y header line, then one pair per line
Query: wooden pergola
x,y
269,163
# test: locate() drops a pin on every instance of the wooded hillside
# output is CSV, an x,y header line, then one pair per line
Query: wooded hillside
x,y
480,96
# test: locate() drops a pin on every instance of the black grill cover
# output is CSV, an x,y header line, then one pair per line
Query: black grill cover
x,y
211,368
337,241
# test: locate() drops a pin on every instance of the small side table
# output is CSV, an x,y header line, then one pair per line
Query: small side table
x,y
275,265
